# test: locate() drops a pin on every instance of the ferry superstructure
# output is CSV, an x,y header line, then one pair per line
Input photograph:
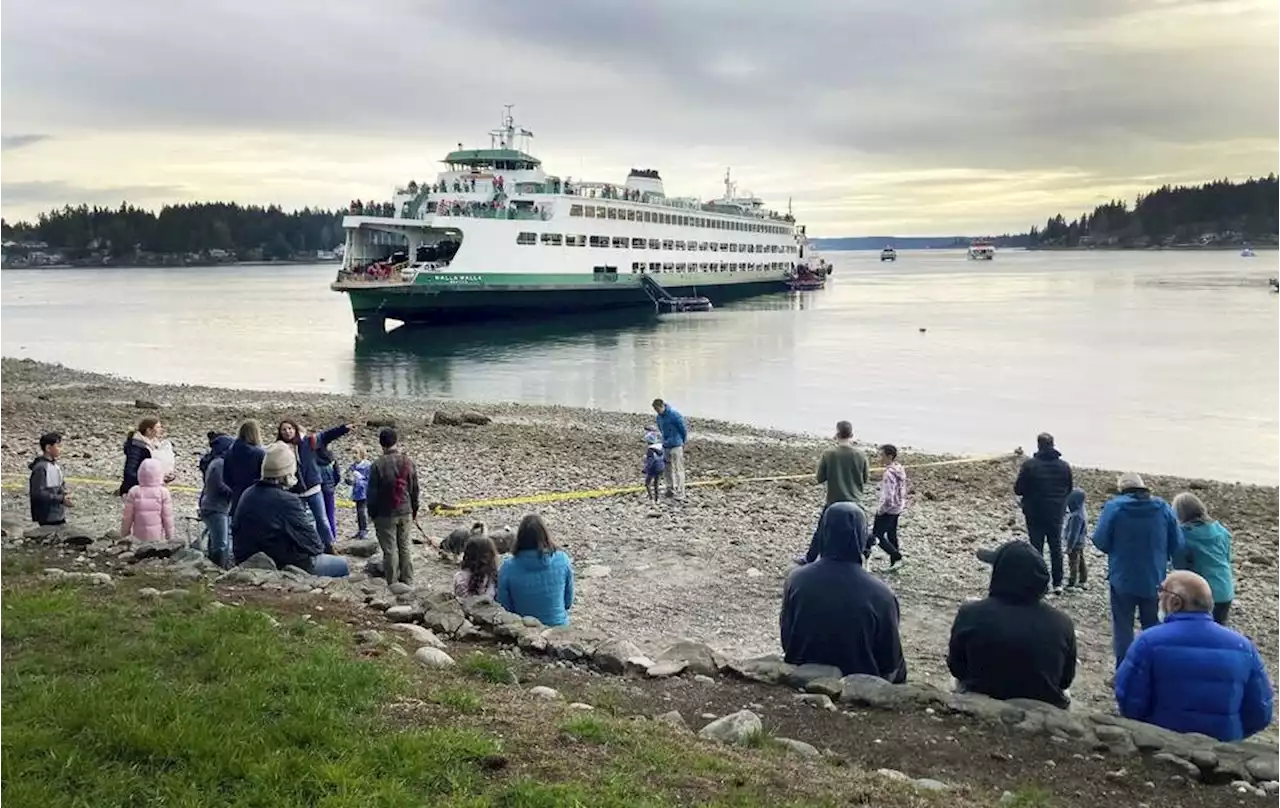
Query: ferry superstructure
x,y
495,235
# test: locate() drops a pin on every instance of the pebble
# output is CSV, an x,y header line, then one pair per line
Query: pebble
x,y
399,588
703,679
929,784
419,634
798,747
368,636
578,705
544,692
174,594
752,572
735,728
148,593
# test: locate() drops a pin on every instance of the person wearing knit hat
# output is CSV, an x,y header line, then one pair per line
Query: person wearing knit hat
x,y
271,520
279,462
1139,534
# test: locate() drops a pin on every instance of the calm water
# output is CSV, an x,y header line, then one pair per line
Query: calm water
x,y
1159,362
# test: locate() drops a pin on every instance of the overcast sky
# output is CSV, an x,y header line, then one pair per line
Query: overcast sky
x,y
874,116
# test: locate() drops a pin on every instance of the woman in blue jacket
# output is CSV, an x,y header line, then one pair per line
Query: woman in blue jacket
x,y
1206,551
537,581
309,486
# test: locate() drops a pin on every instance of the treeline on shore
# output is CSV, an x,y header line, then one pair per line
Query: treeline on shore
x,y
1220,213
205,231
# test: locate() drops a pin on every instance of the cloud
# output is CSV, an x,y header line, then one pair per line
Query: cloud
x,y
10,142
56,193
793,95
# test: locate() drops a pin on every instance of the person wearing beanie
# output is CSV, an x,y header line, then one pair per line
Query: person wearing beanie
x,y
1139,534
272,520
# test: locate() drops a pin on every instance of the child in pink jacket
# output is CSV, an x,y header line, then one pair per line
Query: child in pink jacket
x,y
148,509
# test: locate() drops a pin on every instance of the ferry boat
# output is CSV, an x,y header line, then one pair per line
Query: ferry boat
x,y
888,254
495,235
982,251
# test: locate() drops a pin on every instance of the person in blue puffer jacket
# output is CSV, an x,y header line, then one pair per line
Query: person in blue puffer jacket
x,y
1190,674
537,581
1139,534
674,435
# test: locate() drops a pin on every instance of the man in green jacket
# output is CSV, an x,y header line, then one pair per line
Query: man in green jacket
x,y
843,469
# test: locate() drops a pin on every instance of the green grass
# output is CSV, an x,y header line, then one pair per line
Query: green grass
x,y
459,699
1029,797
112,702
488,668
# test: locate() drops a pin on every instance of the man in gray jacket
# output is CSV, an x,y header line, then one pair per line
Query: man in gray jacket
x,y
48,488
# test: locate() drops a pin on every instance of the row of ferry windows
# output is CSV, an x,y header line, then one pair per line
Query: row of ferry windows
x,y
777,266
622,242
659,217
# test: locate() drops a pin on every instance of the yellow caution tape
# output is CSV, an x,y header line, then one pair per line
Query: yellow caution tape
x,y
457,509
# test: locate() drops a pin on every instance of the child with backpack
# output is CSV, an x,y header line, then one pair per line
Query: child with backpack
x,y
358,478
655,463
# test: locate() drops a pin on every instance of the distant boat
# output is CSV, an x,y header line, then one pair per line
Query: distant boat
x,y
888,254
1247,252
1275,284
982,251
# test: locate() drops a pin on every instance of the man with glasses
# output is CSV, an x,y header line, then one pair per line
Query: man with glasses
x,y
1190,674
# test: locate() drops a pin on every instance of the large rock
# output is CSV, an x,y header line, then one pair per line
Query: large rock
x,y
12,527
374,567
1050,719
736,728
432,657
144,404
611,655
158,549
477,418
573,642
442,418
359,548
545,693
798,747
1263,768
985,708
661,670
1178,765
802,675
187,556
1150,738
446,617
258,561
674,719
420,635
700,658
404,614
769,669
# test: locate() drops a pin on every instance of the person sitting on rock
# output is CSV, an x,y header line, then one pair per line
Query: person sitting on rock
x,y
148,507
1140,534
1012,644
537,581
834,612
479,574
1190,674
270,519
47,486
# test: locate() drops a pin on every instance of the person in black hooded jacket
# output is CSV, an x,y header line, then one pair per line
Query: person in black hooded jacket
x,y
834,612
1044,483
1012,644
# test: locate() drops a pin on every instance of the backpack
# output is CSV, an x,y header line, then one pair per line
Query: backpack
x,y
330,476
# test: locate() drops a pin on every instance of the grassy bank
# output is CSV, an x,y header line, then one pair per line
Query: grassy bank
x,y
109,701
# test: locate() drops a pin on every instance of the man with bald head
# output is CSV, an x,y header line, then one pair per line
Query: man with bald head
x,y
1190,674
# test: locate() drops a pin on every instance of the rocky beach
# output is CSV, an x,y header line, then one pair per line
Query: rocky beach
x,y
709,569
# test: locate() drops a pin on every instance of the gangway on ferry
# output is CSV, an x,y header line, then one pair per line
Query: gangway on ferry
x,y
663,300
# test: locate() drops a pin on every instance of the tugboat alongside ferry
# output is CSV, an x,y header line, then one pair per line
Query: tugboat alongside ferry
x,y
495,235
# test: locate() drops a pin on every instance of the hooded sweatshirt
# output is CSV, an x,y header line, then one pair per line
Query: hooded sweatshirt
x,y
1044,481
834,612
1075,529
1012,644
536,584
893,489
148,510
1139,533
48,491
1206,551
216,496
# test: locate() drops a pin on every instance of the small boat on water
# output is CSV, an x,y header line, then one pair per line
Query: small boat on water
x,y
888,254
982,251
809,275
1275,284
1247,252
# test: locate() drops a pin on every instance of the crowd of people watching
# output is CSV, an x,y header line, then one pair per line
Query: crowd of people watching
x,y
1168,565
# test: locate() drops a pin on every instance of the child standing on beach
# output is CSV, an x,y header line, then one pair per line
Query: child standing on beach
x,y
893,499
1074,532
358,479
148,508
654,463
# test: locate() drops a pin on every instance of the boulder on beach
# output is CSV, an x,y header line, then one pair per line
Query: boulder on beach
x,y
477,418
442,418
143,404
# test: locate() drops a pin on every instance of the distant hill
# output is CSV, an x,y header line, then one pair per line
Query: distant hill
x,y
911,242
1216,214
